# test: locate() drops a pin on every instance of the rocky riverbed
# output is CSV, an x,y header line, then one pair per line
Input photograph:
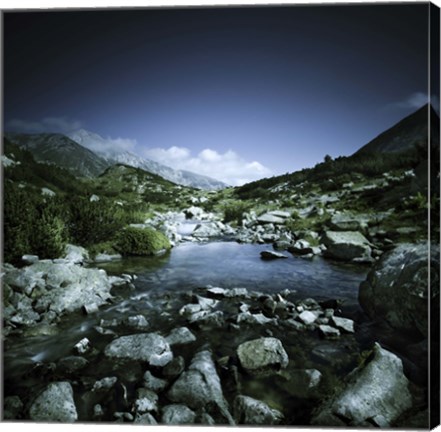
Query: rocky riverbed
x,y
83,345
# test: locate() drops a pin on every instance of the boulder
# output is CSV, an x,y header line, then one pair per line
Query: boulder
x,y
308,317
347,246
264,356
375,393
199,386
68,287
271,255
149,347
177,414
55,403
208,229
251,411
268,218
329,332
397,290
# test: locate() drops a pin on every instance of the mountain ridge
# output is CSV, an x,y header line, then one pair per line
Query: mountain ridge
x,y
409,132
92,140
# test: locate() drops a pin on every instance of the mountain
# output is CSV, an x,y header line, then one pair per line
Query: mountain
x,y
94,142
405,135
60,150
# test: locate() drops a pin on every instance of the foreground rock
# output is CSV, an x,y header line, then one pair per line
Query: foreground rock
x,y
149,347
176,414
396,289
199,386
53,288
55,403
263,356
375,394
347,246
250,411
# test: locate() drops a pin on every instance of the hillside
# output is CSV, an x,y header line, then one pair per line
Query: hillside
x,y
60,150
407,134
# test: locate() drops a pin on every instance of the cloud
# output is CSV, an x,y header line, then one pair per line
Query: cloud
x,y
47,124
416,100
228,167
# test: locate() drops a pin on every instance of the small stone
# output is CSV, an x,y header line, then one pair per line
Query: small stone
x,y
329,332
177,414
29,259
270,255
90,308
137,321
105,383
145,418
146,401
83,346
308,317
345,324
180,336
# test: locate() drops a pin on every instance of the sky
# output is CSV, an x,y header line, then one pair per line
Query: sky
x,y
234,93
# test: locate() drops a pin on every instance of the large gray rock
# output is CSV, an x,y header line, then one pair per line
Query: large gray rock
x,y
264,356
62,287
149,347
251,411
55,403
180,336
268,218
396,289
208,229
200,387
375,393
348,222
347,246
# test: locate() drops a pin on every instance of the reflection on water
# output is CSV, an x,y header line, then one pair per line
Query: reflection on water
x,y
229,264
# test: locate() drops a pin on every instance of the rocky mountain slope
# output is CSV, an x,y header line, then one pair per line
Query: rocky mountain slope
x,y
186,178
407,134
60,150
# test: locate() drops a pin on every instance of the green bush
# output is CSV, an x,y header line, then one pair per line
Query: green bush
x,y
141,241
233,212
93,222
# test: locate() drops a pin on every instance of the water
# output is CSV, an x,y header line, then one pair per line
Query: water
x,y
230,264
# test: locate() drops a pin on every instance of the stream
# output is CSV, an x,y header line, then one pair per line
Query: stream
x,y
164,284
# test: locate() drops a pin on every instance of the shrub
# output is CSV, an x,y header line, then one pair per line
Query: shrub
x,y
141,241
94,222
234,211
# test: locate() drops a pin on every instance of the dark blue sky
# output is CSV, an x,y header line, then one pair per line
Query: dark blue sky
x,y
280,86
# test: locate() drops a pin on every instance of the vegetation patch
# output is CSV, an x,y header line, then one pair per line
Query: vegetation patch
x,y
141,241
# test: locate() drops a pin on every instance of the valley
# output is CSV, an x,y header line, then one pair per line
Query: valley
x,y
130,297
